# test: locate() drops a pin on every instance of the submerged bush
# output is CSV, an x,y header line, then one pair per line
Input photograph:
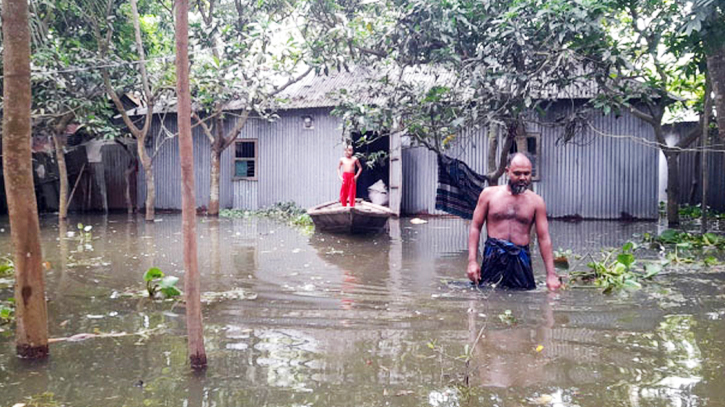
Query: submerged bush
x,y
695,211
287,212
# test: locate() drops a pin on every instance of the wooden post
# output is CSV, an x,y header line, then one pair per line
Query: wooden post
x,y
396,172
194,328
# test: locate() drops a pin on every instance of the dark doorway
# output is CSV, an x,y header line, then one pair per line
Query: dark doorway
x,y
370,147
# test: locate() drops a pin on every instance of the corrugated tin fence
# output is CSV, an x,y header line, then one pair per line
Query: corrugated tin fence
x,y
691,173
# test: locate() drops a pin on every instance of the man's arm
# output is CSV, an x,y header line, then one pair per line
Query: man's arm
x,y
339,165
359,168
474,236
542,232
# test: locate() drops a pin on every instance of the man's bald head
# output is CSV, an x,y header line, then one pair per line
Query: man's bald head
x,y
518,169
518,159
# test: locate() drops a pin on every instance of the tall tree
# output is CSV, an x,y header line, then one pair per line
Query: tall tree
x,y
194,327
243,74
65,91
707,21
637,73
470,64
31,335
153,83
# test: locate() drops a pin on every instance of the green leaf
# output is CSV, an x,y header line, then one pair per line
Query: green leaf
x,y
711,238
632,284
669,236
711,261
170,292
153,273
168,281
626,259
651,270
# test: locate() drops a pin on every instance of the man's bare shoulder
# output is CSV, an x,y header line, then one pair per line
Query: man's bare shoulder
x,y
535,198
489,192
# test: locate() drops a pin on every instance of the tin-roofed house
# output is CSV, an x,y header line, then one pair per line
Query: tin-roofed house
x,y
607,174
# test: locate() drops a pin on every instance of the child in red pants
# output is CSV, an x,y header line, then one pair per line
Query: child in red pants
x,y
348,176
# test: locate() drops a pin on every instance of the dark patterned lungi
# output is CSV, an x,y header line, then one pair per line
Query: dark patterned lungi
x,y
507,265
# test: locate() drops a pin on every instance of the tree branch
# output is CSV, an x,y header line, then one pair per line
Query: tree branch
x,y
290,82
232,135
207,130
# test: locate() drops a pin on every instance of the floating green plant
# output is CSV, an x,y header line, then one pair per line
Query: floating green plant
x,y
157,282
618,269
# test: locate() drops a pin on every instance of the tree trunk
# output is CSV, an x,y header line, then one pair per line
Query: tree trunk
x,y
707,111
716,72
128,175
694,183
149,176
63,177
511,133
214,193
194,328
492,147
150,192
673,188
31,331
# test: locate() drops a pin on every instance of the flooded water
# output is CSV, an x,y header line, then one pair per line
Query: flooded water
x,y
329,320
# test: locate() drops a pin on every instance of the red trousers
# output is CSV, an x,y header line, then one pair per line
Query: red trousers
x,y
348,189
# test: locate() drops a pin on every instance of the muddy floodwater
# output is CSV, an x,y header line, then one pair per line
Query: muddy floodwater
x,y
326,320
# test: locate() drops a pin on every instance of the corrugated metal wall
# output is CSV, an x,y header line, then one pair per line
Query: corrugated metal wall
x,y
716,179
690,171
294,164
603,176
115,162
420,171
167,173
606,175
297,164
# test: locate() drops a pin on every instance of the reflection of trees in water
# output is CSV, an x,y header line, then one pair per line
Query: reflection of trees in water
x,y
283,357
672,362
662,363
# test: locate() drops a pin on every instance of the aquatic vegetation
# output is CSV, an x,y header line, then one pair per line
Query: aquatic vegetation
x,y
84,233
7,267
7,311
287,212
157,282
507,317
46,399
617,269
561,258
711,261
686,240
695,211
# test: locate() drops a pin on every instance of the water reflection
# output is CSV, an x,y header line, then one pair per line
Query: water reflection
x,y
339,320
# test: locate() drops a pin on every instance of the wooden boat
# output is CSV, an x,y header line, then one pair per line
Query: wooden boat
x,y
365,217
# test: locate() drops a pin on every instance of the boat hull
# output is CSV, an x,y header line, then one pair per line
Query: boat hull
x,y
364,217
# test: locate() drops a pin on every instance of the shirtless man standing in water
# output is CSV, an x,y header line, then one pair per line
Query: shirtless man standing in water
x,y
509,212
